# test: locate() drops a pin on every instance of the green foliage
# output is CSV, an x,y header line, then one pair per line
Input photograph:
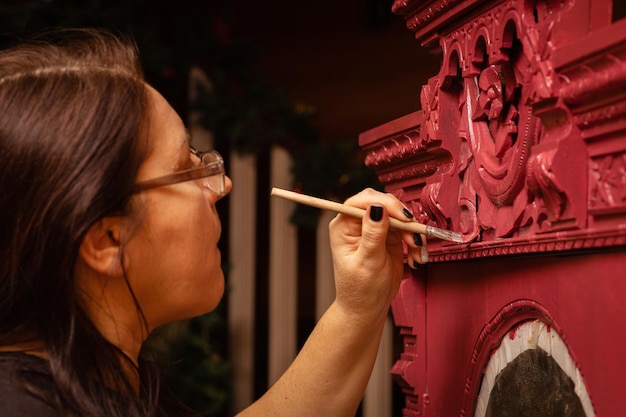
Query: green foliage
x,y
196,368
247,114
333,171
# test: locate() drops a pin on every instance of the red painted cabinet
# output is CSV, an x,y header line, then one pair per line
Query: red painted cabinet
x,y
520,146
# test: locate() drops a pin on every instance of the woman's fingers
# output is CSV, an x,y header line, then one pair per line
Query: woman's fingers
x,y
416,244
418,251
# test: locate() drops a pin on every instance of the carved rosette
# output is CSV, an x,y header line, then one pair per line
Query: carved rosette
x,y
608,183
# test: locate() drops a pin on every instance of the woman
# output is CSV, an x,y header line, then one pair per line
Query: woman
x,y
109,230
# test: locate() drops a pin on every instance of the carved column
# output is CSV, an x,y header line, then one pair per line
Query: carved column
x,y
283,272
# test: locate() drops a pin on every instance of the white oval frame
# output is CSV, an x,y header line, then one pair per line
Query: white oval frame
x,y
531,335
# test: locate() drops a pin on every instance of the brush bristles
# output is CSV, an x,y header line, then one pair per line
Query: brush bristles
x,y
444,234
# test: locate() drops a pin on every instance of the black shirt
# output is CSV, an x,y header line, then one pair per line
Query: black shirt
x,y
17,372
26,383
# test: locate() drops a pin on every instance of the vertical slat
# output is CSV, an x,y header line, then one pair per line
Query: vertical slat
x,y
241,276
283,271
377,400
242,253
201,137
325,283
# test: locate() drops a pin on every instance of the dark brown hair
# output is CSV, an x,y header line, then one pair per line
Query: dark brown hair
x,y
73,112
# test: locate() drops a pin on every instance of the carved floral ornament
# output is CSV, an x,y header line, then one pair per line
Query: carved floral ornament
x,y
494,77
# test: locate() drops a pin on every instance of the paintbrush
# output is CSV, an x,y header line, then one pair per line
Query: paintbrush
x,y
320,203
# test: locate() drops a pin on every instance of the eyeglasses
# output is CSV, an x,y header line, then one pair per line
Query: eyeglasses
x,y
211,170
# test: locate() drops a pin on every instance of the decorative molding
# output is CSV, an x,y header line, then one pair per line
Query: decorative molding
x,y
428,17
556,242
409,371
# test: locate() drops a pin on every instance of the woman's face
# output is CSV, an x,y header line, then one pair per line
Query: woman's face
x,y
172,259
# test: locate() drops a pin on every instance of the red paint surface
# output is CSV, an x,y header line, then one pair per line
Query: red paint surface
x,y
520,145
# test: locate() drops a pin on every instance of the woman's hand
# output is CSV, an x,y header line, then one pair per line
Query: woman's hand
x,y
329,375
368,256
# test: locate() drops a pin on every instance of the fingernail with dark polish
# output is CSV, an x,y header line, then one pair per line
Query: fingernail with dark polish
x,y
407,213
417,238
376,213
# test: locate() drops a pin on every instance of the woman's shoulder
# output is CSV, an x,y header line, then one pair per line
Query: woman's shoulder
x,y
19,374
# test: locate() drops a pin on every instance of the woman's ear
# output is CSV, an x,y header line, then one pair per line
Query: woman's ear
x,y
101,249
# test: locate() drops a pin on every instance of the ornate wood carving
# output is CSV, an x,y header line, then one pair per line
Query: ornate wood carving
x,y
518,143
520,146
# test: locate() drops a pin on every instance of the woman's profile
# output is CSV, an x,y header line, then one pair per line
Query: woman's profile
x,y
109,230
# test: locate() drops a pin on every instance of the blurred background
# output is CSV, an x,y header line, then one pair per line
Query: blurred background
x,y
307,77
